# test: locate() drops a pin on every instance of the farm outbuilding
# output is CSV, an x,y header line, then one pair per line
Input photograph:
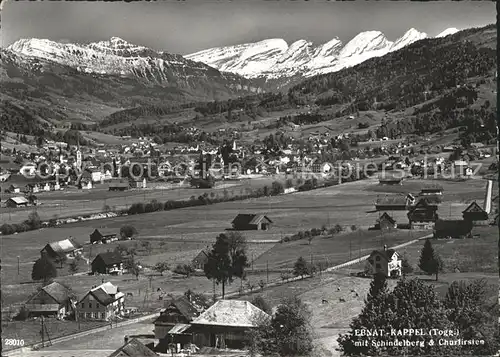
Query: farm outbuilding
x,y
16,202
108,263
386,222
66,247
103,236
243,222
226,324
51,300
474,212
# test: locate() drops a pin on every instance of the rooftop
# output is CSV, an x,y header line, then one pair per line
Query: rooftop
x,y
236,313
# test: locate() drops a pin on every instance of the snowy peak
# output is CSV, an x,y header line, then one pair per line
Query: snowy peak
x,y
246,60
447,32
410,36
365,42
117,57
275,59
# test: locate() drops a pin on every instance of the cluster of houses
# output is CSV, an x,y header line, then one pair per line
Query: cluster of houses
x,y
422,213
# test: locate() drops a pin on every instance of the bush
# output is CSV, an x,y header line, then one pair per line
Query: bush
x,y
184,269
127,232
7,229
22,315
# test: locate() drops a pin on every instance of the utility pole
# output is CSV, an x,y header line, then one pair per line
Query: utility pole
x,y
267,270
18,265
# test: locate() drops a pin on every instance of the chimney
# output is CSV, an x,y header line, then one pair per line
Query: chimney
x,y
385,247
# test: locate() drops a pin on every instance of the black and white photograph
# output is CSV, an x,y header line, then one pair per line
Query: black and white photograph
x,y
249,178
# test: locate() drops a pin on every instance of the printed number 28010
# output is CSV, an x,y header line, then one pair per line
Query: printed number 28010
x,y
13,342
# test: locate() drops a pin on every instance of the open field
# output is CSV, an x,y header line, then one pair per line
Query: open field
x,y
73,202
177,236
184,232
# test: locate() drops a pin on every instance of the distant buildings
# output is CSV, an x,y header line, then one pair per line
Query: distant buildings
x,y
423,215
101,303
386,222
102,236
65,248
17,202
244,222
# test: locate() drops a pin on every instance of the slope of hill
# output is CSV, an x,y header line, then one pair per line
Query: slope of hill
x,y
55,82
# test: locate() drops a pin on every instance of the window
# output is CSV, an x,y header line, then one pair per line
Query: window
x,y
83,305
90,305
377,258
378,266
97,305
103,316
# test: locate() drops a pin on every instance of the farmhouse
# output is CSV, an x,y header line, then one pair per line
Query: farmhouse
x,y
16,202
118,185
393,203
101,236
423,215
390,181
67,247
51,300
226,324
133,348
13,189
101,303
474,213
174,321
452,228
386,222
201,259
385,261
244,222
108,263
431,190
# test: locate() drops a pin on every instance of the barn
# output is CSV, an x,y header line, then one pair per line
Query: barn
x,y
243,222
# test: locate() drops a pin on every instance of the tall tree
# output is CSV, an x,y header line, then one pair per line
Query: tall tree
x,y
301,268
43,269
430,261
226,260
410,305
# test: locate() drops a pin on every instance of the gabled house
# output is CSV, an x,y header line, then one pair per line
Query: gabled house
x,y
393,203
108,263
133,348
103,236
244,222
101,303
226,324
51,300
67,247
431,190
201,259
386,261
474,213
386,222
423,212
16,202
390,181
173,323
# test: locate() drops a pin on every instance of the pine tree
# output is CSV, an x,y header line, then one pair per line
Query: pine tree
x,y
43,269
430,261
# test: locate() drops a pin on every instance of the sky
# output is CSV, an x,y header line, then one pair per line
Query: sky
x,y
192,25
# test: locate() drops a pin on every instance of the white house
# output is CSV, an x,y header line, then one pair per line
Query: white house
x,y
386,261
101,303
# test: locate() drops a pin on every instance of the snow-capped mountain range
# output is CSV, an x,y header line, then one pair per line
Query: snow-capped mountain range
x,y
269,59
118,57
273,58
